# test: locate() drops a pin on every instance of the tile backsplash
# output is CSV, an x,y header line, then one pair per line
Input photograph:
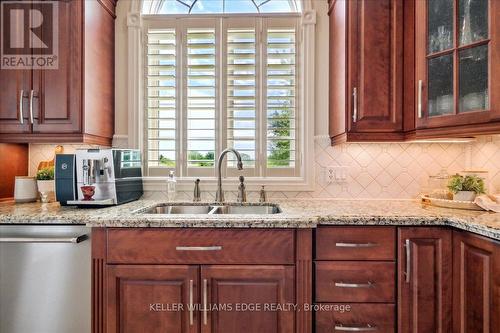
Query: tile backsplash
x,y
375,170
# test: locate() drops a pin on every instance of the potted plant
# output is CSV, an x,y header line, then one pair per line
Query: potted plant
x,y
45,182
465,188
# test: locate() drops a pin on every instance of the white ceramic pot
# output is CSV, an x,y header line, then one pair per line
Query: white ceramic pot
x,y
464,196
25,189
46,189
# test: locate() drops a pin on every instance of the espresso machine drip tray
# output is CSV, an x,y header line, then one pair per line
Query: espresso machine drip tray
x,y
94,203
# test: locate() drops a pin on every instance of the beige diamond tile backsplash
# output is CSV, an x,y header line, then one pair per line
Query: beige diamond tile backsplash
x,y
376,170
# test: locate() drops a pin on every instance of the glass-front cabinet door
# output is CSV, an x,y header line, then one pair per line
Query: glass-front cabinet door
x,y
457,62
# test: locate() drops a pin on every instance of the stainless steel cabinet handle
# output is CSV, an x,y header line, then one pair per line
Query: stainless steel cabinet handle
x,y
75,240
191,314
205,301
419,105
343,328
408,260
198,248
355,104
21,98
369,284
341,244
32,95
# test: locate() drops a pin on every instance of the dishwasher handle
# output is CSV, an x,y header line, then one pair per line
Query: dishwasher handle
x,y
21,239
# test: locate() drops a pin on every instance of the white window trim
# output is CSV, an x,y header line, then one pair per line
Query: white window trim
x,y
136,117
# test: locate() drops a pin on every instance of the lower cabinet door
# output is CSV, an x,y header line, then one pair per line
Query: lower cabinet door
x,y
355,317
476,285
152,299
424,280
249,299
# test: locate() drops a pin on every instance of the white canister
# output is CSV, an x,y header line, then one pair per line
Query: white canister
x,y
25,189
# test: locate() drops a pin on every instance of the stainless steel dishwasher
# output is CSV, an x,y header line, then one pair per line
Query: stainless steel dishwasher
x,y
45,279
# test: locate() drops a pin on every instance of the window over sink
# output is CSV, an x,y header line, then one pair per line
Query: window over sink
x,y
213,81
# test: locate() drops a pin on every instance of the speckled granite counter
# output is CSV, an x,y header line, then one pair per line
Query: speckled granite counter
x,y
297,213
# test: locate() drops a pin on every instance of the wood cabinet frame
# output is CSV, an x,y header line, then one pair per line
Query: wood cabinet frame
x,y
454,125
74,103
296,280
366,91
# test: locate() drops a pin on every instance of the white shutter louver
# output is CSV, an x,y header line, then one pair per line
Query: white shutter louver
x,y
201,96
281,97
161,97
241,94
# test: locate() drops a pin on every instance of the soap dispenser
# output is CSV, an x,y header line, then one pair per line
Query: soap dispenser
x,y
171,186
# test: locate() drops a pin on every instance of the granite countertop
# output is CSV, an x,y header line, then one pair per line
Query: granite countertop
x,y
296,213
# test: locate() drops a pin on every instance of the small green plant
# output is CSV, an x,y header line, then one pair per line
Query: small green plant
x,y
472,183
45,174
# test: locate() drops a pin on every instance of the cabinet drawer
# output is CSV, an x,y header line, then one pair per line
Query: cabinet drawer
x,y
356,318
355,243
347,281
200,246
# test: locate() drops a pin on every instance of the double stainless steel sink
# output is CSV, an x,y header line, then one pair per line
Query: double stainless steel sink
x,y
212,209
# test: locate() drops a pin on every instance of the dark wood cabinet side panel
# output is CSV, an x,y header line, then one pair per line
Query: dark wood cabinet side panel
x,y
14,161
99,67
98,280
338,67
303,280
425,297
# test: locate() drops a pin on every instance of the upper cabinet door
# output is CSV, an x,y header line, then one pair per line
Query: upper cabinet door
x,y
457,56
15,87
246,285
153,299
55,98
375,66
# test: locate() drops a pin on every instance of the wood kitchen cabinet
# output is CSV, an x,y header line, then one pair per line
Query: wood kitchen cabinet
x,y
247,285
355,267
139,272
152,298
425,280
456,57
366,70
75,102
476,283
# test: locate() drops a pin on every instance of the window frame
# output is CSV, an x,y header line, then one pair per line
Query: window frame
x,y
135,102
220,24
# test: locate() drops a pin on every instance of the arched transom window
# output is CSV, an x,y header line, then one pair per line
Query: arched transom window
x,y
219,6
226,75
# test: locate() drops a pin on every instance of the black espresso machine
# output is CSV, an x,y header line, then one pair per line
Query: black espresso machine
x,y
98,177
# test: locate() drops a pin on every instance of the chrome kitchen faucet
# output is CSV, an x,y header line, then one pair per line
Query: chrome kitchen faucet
x,y
219,196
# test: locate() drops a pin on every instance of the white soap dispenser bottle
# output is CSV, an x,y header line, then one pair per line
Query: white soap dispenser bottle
x,y
171,186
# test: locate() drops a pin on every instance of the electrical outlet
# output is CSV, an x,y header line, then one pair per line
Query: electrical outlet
x,y
336,174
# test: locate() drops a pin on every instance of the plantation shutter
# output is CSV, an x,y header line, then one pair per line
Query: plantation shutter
x,y
213,83
201,100
241,94
161,98
281,100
